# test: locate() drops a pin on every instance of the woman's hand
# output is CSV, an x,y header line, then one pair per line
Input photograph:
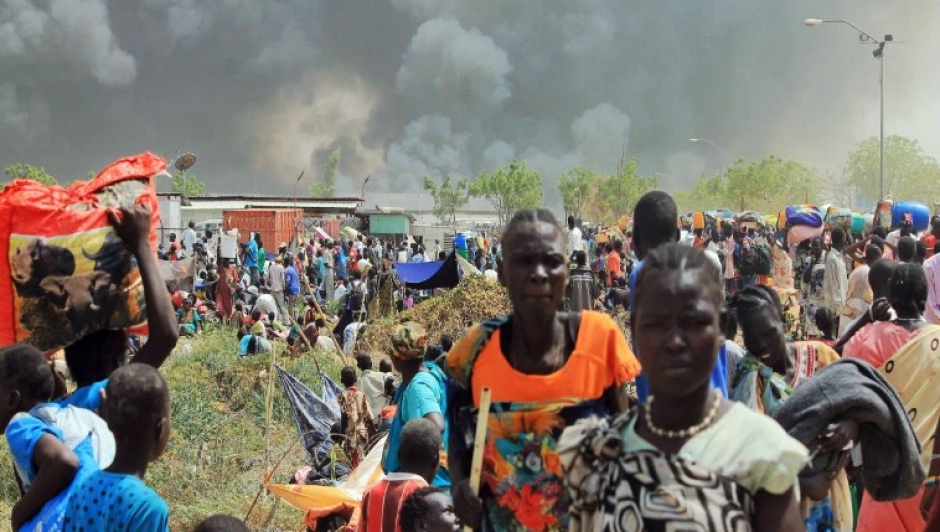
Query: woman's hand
x,y
467,506
838,435
133,225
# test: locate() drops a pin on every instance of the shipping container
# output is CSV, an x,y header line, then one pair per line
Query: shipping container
x,y
275,225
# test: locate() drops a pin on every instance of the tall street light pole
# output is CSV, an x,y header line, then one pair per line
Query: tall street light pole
x,y
720,151
865,37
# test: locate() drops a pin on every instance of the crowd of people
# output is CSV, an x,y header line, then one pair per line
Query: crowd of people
x,y
763,384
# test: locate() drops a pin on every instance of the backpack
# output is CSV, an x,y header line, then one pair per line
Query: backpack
x,y
355,297
765,263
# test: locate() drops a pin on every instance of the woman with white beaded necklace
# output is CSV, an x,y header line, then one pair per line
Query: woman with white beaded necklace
x,y
688,457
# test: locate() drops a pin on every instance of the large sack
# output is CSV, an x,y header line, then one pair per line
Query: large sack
x,y
67,273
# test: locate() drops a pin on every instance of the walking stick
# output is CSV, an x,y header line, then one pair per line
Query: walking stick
x,y
479,441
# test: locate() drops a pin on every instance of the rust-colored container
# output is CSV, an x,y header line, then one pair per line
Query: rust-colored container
x,y
275,225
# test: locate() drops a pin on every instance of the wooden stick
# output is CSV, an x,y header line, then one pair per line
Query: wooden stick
x,y
316,305
479,441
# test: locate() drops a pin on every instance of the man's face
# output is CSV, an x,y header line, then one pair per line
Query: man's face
x,y
440,517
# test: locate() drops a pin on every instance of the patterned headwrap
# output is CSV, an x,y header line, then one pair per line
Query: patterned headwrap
x,y
409,341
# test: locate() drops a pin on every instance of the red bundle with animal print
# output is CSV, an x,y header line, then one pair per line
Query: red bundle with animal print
x,y
67,273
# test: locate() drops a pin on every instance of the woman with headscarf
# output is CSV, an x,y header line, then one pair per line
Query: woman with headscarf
x,y
545,369
765,378
422,394
225,292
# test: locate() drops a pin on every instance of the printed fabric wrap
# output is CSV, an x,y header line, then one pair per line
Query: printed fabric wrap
x,y
521,483
644,491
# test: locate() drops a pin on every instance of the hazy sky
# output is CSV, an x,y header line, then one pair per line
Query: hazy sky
x,y
415,87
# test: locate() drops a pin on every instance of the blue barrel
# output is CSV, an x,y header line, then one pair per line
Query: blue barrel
x,y
858,223
919,212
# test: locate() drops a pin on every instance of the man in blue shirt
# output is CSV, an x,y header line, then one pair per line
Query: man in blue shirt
x,y
251,258
654,225
291,287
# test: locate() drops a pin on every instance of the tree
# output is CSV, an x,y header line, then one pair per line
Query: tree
x,y
194,187
617,194
576,187
765,186
910,174
28,171
510,188
449,197
327,189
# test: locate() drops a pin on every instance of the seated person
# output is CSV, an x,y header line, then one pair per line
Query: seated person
x,y
190,322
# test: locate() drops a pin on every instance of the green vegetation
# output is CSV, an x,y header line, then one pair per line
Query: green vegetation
x,y
510,188
215,461
327,189
187,185
28,171
449,197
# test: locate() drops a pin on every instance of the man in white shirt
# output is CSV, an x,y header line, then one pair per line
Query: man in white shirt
x,y
835,279
372,384
403,253
575,239
189,238
275,280
339,294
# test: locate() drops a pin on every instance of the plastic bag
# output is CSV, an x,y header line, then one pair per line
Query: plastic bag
x,y
67,273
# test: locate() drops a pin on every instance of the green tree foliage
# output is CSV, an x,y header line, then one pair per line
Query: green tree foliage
x,y
576,187
767,185
327,189
510,188
617,194
194,187
449,197
28,171
910,174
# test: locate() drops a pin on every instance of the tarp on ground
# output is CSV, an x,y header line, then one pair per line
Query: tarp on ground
x,y
429,275
319,501
314,416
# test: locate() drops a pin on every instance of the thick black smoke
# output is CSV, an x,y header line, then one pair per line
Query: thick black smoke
x,y
415,87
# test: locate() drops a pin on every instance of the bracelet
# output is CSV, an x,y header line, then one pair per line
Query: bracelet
x,y
930,481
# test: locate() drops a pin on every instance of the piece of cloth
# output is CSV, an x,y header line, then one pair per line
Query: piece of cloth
x,y
616,479
853,389
112,502
382,502
914,372
876,342
372,383
409,340
425,394
835,282
224,297
358,424
932,272
761,389
521,469
858,297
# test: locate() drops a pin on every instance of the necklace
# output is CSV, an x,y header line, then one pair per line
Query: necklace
x,y
687,432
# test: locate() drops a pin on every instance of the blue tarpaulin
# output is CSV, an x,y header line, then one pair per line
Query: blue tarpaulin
x,y
314,416
429,275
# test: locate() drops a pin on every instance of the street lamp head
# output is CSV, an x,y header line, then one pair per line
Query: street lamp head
x,y
812,22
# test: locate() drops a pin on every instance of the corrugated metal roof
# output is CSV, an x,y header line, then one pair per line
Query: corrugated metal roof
x,y
243,202
419,202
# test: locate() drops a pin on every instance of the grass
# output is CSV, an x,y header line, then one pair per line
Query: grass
x,y
215,461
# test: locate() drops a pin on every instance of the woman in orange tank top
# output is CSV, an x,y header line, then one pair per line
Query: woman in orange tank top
x,y
546,369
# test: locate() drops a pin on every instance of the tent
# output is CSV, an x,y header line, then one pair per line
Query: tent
x,y
429,275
